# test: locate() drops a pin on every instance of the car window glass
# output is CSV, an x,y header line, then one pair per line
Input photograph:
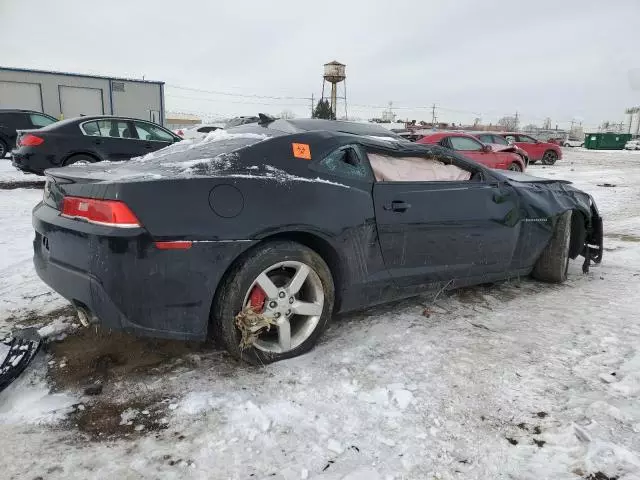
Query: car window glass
x,y
91,129
499,140
344,161
510,138
149,132
464,143
486,138
206,129
114,129
387,168
40,120
525,139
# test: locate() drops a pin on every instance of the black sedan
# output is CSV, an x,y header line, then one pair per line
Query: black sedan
x,y
88,140
260,235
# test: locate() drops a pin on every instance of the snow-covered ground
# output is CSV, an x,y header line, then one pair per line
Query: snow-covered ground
x,y
10,176
520,380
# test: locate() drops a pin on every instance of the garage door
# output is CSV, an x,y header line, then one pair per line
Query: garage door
x,y
20,95
76,101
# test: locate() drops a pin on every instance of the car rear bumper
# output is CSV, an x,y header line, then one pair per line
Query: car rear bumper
x,y
32,162
124,281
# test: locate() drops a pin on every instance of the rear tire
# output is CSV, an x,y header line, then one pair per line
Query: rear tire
x,y
549,158
515,167
553,263
242,280
79,159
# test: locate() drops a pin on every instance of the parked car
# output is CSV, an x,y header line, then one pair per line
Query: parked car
x,y
497,141
243,120
472,148
632,144
88,139
198,131
572,142
258,237
547,152
13,120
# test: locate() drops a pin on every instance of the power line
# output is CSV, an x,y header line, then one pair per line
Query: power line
x,y
230,94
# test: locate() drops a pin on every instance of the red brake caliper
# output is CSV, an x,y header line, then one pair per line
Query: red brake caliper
x,y
257,299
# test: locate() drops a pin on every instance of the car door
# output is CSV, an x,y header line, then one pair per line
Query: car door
x,y
473,149
152,137
432,232
115,140
530,145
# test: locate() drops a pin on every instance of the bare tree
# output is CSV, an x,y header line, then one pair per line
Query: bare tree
x,y
287,114
530,128
508,123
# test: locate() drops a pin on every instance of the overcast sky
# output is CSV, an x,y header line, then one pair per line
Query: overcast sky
x,y
562,59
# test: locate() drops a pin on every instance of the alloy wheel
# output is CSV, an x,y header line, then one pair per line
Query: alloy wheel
x,y
549,158
291,294
514,167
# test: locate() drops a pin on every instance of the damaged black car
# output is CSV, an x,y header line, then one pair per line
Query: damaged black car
x,y
256,236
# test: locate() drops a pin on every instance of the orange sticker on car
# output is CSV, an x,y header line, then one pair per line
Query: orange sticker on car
x,y
301,150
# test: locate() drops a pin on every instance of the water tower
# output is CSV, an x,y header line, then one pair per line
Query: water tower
x,y
334,73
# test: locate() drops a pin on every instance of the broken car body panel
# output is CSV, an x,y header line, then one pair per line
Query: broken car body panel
x,y
227,193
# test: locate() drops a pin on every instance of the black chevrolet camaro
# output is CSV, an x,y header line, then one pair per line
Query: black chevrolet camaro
x,y
87,140
256,236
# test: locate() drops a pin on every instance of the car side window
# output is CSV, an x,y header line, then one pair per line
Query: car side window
x,y
149,132
499,140
526,139
429,168
91,129
114,128
486,138
40,120
345,161
207,129
465,144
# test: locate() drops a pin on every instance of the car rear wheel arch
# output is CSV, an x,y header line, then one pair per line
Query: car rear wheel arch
x,y
68,158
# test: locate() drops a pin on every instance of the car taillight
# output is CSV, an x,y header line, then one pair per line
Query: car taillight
x,y
112,213
30,141
180,133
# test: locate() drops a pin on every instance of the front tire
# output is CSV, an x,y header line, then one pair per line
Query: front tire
x,y
549,158
286,282
515,167
553,263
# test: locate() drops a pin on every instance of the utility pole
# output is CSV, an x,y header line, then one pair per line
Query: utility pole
x,y
312,106
433,116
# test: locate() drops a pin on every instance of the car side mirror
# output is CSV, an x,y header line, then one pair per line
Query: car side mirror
x,y
487,148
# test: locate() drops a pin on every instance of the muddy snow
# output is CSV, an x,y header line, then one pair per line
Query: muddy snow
x,y
518,380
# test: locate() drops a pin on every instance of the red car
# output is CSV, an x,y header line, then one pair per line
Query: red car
x,y
549,153
470,147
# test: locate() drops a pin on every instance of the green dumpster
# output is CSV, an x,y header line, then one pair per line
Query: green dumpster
x,y
606,141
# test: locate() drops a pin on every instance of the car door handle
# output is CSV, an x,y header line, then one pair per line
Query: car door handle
x,y
97,142
397,206
148,145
